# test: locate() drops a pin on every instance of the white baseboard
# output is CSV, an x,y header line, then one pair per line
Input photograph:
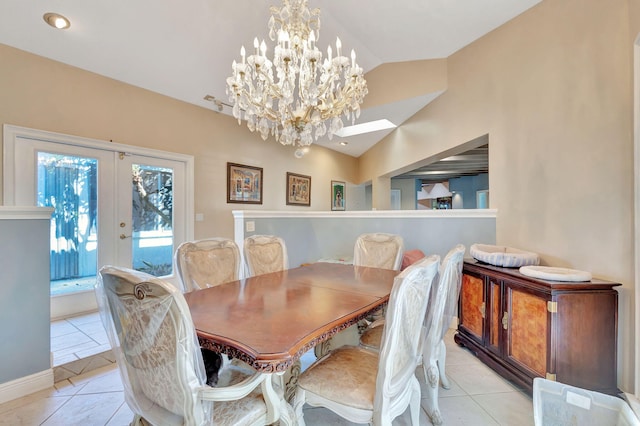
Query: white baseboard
x,y
26,385
71,304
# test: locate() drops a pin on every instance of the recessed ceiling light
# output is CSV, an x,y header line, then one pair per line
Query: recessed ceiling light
x,y
56,20
344,143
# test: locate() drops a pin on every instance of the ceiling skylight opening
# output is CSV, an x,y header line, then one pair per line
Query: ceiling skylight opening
x,y
368,127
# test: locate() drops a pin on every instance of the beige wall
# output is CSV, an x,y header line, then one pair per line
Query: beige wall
x,y
553,90
47,95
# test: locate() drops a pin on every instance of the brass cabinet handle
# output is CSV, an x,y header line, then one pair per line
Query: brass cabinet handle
x,y
483,309
505,320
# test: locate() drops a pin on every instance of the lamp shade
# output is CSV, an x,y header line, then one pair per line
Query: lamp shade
x,y
438,191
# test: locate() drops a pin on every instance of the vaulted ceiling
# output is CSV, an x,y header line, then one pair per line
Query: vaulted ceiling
x,y
184,49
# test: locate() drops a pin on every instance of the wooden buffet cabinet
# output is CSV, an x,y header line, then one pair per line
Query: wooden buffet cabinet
x,y
525,327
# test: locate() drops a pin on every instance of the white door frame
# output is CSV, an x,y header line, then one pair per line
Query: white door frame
x,y
636,203
12,172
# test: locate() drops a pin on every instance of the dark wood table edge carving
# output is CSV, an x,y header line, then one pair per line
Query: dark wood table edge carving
x,y
278,365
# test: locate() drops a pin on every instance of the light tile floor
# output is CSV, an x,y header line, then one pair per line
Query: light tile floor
x,y
477,397
79,344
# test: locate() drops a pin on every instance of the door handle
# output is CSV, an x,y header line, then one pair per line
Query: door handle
x,y
122,236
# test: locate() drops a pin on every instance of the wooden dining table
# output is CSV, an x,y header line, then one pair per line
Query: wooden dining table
x,y
269,321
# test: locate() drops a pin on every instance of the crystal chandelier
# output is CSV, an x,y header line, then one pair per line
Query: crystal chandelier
x,y
308,96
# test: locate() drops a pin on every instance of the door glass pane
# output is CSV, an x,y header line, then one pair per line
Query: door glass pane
x,y
68,184
152,219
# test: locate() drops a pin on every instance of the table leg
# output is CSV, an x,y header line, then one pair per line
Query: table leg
x,y
349,336
290,380
278,409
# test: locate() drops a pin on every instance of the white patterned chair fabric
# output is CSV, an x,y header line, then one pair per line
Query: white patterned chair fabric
x,y
442,309
150,330
379,250
207,263
365,386
264,254
451,272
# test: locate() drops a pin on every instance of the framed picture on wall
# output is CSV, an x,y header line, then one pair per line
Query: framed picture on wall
x,y
298,190
338,199
244,184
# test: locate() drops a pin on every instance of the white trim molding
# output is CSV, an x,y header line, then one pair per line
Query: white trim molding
x,y
26,385
454,213
19,212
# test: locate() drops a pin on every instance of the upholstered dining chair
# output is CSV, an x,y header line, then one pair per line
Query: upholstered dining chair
x,y
379,250
151,332
365,386
264,254
376,250
207,263
442,309
451,272
440,312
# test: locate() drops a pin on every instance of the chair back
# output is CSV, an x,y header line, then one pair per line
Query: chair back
x,y
451,275
379,250
434,322
207,263
264,254
151,332
401,338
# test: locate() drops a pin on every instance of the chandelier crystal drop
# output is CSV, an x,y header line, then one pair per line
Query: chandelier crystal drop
x,y
296,97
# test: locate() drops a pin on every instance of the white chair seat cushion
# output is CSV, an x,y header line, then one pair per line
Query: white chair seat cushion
x,y
555,274
507,257
244,411
354,369
372,337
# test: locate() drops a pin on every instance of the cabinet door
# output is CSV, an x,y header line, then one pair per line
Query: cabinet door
x,y
472,306
527,330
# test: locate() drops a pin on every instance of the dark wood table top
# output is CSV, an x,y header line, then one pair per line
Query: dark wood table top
x,y
269,321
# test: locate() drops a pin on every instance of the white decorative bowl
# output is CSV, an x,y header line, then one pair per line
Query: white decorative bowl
x,y
555,274
503,256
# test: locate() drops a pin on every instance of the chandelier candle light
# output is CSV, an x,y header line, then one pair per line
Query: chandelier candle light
x,y
307,98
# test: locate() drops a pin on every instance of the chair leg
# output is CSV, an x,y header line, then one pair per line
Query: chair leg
x,y
287,416
431,398
442,356
414,404
138,421
298,404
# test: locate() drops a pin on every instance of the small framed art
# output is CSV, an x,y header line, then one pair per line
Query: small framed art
x,y
244,184
337,195
298,190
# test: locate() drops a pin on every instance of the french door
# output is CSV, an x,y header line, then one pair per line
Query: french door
x,y
113,204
